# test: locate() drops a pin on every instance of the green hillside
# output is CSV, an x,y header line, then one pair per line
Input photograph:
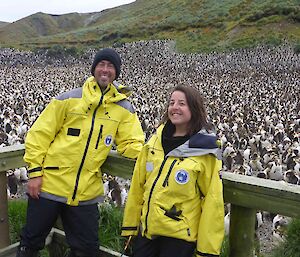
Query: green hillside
x,y
196,25
39,25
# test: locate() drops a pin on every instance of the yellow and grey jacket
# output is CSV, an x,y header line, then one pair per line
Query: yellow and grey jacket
x,y
72,137
178,195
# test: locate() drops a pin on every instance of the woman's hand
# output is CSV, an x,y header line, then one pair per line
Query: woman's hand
x,y
34,187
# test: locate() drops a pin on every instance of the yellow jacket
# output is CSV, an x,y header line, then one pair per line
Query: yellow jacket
x,y
178,195
72,137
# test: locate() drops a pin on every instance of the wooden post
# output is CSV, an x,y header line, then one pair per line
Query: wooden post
x,y
241,231
4,227
57,245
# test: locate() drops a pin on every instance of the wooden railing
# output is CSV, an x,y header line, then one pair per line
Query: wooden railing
x,y
246,195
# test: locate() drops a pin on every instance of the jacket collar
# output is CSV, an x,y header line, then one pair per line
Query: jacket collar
x,y
202,143
91,90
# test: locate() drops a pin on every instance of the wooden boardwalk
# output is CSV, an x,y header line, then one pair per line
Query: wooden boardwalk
x,y
56,236
9,251
245,194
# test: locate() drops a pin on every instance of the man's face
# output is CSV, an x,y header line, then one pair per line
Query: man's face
x,y
105,73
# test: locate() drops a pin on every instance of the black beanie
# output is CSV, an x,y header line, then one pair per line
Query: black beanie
x,y
108,54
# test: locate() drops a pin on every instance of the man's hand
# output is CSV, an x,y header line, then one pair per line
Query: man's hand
x,y
34,187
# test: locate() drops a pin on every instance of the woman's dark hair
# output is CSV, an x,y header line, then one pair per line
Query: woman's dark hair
x,y
195,102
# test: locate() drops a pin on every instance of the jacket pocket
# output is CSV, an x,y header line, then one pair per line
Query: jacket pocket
x,y
165,183
51,168
99,136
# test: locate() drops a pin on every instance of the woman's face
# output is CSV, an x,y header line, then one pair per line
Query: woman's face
x,y
178,111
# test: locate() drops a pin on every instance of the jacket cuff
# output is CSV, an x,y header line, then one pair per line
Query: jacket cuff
x,y
35,172
129,231
201,254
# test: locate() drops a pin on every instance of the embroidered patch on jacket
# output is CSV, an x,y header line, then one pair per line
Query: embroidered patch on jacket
x,y
108,140
182,177
149,166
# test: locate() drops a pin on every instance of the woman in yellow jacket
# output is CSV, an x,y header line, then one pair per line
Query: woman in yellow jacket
x,y
175,203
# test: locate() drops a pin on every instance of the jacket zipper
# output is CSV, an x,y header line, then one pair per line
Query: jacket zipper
x,y
86,148
99,136
166,181
151,191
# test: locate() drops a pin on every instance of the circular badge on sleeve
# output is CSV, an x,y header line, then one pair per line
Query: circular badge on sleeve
x,y
149,166
108,140
182,177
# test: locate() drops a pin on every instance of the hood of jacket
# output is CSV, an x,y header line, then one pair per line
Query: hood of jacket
x,y
115,92
202,143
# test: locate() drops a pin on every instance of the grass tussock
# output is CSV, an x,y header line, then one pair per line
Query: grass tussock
x,y
17,218
110,224
290,247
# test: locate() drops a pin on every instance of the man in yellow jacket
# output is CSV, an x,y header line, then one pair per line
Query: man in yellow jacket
x,y
65,149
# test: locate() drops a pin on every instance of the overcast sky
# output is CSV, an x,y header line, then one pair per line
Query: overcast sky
x,y
12,10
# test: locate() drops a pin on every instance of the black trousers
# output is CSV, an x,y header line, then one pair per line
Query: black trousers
x,y
80,225
162,247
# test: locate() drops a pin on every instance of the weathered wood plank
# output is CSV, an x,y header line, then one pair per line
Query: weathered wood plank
x,y
117,165
58,241
55,242
11,157
262,194
9,251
